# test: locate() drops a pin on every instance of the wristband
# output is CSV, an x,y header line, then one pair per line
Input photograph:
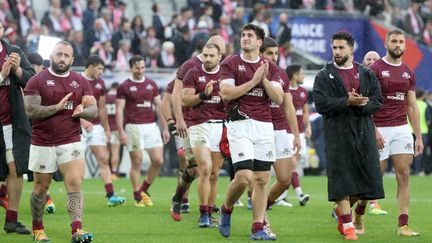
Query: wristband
x,y
203,96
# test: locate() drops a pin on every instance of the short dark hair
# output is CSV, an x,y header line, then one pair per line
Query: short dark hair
x,y
344,36
94,60
259,32
212,46
292,69
66,43
135,59
394,32
268,42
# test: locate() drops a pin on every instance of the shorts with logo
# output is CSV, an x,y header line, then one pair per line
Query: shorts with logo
x,y
96,137
143,136
206,134
284,144
397,140
7,136
46,159
251,139
303,149
115,138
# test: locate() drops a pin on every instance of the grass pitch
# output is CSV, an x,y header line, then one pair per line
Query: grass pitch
x,y
311,223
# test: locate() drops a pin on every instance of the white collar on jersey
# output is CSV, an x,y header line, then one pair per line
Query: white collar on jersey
x,y
255,61
391,64
214,72
137,81
58,75
344,68
294,88
85,76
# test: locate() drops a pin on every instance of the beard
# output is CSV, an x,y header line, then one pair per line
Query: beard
x,y
209,67
60,70
395,54
341,61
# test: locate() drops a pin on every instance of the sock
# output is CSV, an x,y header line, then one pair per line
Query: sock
x,y
184,200
226,210
145,186
257,226
180,191
75,205
403,219
37,206
75,225
210,210
346,221
137,195
109,190
3,190
372,204
269,204
48,197
203,209
11,216
360,209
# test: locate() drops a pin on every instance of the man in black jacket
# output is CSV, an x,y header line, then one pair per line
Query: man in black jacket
x,y
15,128
347,94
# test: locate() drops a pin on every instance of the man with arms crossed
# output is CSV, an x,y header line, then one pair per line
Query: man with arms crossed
x,y
248,83
55,100
393,134
135,99
347,94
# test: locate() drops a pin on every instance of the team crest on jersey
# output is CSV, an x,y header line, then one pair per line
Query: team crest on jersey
x,y
74,84
98,86
50,82
302,95
149,87
281,81
202,79
242,68
406,75
385,74
133,89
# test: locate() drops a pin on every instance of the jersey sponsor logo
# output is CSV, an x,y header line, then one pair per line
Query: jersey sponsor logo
x,y
397,96
133,89
68,105
213,100
50,82
259,92
406,75
149,87
5,82
242,68
274,105
144,104
74,84
385,74
98,86
201,79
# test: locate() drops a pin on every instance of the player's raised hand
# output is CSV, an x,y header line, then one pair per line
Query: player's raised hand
x,y
78,110
5,70
61,105
209,87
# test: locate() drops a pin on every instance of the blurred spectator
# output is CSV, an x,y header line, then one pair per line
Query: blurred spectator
x,y
27,23
119,13
22,6
107,24
11,35
123,55
76,41
237,23
226,30
207,13
187,18
283,34
181,43
413,21
427,33
139,33
167,58
101,34
159,22
124,33
88,25
172,29
52,22
397,17
5,13
150,47
201,35
258,19
106,53
69,21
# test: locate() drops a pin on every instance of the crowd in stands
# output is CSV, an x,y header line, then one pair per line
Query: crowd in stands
x,y
104,27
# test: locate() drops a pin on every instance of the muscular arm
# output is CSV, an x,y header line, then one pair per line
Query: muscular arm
x,y
166,106
413,113
189,98
231,92
158,105
120,105
306,121
103,115
176,100
290,114
35,110
275,93
90,110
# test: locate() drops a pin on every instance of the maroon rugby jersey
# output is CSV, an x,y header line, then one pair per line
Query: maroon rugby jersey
x,y
211,109
139,100
256,103
350,78
396,81
185,110
170,87
278,115
110,105
188,65
5,117
59,128
98,88
299,96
